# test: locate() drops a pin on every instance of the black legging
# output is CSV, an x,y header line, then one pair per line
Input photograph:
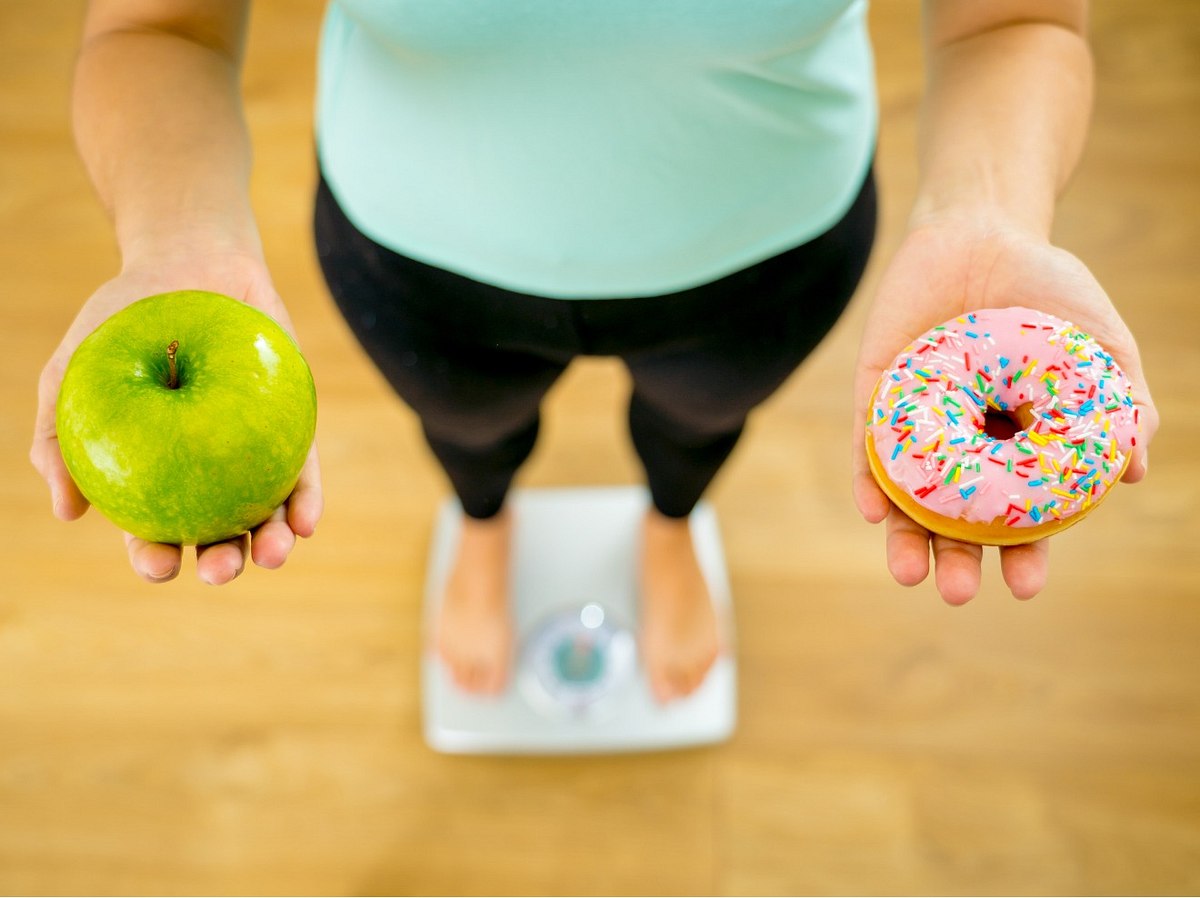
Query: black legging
x,y
474,360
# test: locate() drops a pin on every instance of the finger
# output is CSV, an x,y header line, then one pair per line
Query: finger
x,y
872,503
1025,568
219,563
907,548
272,541
958,569
307,501
155,562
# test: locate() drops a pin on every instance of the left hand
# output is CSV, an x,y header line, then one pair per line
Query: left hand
x,y
944,268
243,276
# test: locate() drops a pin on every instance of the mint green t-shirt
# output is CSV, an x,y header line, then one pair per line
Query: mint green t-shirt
x,y
595,148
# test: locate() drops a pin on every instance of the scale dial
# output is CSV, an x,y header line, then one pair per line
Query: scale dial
x,y
576,661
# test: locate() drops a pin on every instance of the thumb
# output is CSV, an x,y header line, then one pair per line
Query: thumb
x,y
67,501
872,503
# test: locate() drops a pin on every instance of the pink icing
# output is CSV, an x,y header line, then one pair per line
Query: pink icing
x,y
927,420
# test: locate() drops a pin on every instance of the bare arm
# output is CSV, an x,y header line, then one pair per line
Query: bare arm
x,y
1003,123
1006,109
158,120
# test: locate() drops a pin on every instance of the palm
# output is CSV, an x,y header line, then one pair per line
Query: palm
x,y
939,272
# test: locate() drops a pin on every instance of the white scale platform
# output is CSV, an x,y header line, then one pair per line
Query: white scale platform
x,y
577,686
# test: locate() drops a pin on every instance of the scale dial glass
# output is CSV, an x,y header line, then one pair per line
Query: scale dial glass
x,y
576,660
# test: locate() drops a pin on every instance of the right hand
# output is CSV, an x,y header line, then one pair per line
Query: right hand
x,y
243,277
945,267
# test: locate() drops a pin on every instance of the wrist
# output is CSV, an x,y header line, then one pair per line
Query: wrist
x,y
163,247
978,214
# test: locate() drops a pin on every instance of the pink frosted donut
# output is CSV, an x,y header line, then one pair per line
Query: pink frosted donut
x,y
1001,427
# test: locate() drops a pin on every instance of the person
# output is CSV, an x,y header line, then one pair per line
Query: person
x,y
506,187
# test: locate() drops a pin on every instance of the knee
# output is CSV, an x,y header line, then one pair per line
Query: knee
x,y
474,429
694,421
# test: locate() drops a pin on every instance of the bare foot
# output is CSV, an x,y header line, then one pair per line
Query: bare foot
x,y
679,631
473,632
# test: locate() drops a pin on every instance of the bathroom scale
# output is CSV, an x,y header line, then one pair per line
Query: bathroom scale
x,y
577,685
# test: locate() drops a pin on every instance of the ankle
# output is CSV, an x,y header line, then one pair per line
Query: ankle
x,y
658,525
487,536
497,522
479,574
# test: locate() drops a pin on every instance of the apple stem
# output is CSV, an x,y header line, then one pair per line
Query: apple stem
x,y
173,383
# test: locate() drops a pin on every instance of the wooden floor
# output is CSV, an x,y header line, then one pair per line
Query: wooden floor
x,y
264,738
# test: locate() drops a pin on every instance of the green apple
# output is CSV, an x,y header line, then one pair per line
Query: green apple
x,y
185,418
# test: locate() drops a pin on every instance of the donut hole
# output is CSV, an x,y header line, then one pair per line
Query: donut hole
x,y
1004,424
